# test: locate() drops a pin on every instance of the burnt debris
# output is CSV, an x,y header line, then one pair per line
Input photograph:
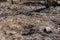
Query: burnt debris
x,y
30,30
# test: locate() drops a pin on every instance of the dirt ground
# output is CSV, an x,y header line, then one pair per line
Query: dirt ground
x,y
16,24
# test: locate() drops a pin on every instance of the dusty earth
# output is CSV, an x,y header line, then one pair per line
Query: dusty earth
x,y
16,24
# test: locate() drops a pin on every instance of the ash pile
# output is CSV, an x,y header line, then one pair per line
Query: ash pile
x,y
21,22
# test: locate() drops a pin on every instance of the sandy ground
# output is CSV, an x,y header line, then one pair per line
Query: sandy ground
x,y
15,24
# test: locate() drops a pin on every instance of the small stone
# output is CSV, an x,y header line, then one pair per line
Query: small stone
x,y
47,30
